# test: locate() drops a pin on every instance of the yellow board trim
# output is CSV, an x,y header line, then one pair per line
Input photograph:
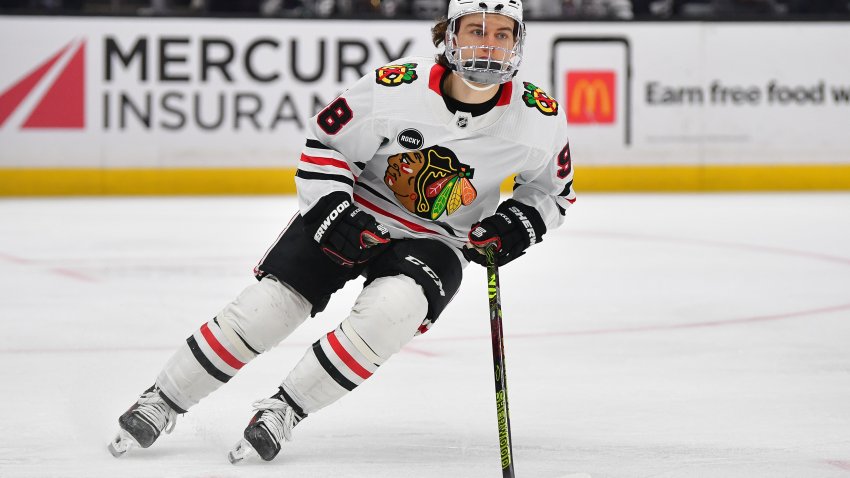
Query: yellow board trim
x,y
89,182
823,177
86,182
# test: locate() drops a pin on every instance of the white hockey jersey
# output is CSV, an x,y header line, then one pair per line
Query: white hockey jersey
x,y
424,171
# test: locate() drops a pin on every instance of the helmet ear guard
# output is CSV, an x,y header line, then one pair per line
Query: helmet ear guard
x,y
478,68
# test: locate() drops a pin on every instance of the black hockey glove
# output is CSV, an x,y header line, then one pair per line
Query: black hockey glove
x,y
346,233
514,228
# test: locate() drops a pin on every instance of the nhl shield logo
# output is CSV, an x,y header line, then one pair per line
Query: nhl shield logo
x,y
462,121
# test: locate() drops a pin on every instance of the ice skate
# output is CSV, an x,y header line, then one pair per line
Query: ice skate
x,y
270,426
142,424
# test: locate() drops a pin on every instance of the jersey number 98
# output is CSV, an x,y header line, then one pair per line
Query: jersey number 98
x,y
335,116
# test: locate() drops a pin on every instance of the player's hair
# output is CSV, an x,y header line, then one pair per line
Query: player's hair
x,y
438,36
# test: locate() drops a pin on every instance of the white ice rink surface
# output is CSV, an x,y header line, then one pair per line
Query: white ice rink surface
x,y
651,336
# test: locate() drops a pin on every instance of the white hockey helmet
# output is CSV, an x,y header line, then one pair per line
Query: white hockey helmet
x,y
475,68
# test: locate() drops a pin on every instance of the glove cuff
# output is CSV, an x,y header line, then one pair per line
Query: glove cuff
x,y
326,214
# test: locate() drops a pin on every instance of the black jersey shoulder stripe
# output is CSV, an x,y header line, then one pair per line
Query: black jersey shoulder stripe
x,y
323,177
315,144
330,369
360,165
205,362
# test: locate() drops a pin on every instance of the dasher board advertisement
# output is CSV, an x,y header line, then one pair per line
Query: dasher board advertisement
x,y
592,75
172,93
702,93
202,105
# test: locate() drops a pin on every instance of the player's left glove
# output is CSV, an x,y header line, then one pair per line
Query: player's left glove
x,y
514,228
347,234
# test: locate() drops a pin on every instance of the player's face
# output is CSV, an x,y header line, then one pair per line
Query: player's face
x,y
495,33
401,174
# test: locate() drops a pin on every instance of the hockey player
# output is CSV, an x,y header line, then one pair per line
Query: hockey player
x,y
398,182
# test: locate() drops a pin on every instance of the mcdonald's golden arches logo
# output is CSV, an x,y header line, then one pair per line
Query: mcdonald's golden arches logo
x,y
591,97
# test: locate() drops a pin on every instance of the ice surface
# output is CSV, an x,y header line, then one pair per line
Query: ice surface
x,y
651,336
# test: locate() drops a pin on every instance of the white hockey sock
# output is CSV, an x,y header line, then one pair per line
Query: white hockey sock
x,y
385,317
264,314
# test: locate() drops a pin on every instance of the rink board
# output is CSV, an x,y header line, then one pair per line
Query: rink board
x,y
210,106
81,182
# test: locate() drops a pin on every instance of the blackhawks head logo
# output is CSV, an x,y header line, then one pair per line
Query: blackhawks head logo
x,y
430,181
535,97
394,75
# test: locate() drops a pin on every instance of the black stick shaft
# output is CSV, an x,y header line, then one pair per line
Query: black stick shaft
x,y
502,414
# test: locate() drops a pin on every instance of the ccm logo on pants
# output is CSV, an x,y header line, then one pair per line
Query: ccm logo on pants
x,y
428,271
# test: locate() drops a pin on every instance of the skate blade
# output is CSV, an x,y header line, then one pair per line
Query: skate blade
x,y
241,451
122,442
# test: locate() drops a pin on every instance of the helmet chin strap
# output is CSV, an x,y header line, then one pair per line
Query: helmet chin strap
x,y
476,88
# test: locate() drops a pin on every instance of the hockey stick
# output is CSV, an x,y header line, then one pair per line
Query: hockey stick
x,y
502,415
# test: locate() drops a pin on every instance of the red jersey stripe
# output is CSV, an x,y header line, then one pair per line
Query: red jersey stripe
x,y
325,161
347,358
505,97
410,225
219,349
434,78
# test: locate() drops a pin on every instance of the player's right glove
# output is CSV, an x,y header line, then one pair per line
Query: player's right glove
x,y
346,233
514,228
